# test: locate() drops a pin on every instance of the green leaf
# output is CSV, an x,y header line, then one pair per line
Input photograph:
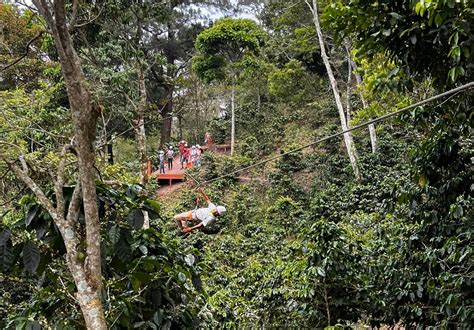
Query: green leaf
x,y
189,259
6,256
182,277
136,219
30,216
438,19
4,236
114,234
143,249
320,271
123,248
153,204
136,283
32,325
466,51
452,74
31,256
456,38
158,317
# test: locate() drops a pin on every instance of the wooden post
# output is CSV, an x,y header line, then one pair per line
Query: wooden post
x,y
148,169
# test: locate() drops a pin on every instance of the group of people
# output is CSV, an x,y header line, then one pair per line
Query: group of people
x,y
186,155
189,155
198,218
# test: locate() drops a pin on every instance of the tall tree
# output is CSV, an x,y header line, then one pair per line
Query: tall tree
x,y
222,50
348,140
87,273
353,67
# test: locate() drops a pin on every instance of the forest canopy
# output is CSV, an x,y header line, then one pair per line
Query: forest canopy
x,y
329,145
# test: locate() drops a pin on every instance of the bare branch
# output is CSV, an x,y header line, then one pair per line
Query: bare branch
x,y
309,5
44,201
22,190
129,100
74,14
25,54
75,204
91,19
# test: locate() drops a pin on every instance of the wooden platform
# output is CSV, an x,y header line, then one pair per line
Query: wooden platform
x,y
177,174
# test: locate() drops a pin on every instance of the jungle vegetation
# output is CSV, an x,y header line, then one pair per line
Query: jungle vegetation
x,y
373,228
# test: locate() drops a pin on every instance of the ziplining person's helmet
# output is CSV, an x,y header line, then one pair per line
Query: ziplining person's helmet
x,y
221,210
193,147
162,152
171,147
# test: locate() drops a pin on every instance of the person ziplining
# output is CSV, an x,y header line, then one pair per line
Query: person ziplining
x,y
201,216
205,216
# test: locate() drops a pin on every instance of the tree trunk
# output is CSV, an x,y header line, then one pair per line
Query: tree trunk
x,y
349,90
141,138
140,132
180,127
326,303
372,132
167,115
170,59
87,276
232,132
349,142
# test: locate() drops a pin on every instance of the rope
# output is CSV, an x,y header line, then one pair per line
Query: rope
x,y
373,121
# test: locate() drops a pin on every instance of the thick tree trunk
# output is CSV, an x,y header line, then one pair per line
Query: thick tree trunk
x,y
168,110
87,295
372,132
232,132
87,275
180,127
349,142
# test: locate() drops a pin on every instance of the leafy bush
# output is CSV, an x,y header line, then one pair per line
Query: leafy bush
x,y
149,282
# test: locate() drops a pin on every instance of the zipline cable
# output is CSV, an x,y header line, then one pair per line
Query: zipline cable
x,y
373,121
194,179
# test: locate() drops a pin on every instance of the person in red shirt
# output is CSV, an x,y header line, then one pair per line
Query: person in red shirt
x,y
181,150
185,158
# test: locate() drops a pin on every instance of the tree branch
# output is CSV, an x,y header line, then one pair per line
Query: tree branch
x,y
75,204
45,202
74,14
59,182
25,54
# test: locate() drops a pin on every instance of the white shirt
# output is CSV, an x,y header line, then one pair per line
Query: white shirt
x,y
205,214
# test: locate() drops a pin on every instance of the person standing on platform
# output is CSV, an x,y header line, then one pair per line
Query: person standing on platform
x,y
161,157
185,158
181,150
170,155
198,155
193,155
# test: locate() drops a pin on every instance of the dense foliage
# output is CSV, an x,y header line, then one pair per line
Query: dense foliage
x,y
303,244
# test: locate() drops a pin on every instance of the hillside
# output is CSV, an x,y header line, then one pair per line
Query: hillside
x,y
334,141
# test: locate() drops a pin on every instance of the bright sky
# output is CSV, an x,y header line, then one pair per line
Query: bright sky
x,y
210,12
